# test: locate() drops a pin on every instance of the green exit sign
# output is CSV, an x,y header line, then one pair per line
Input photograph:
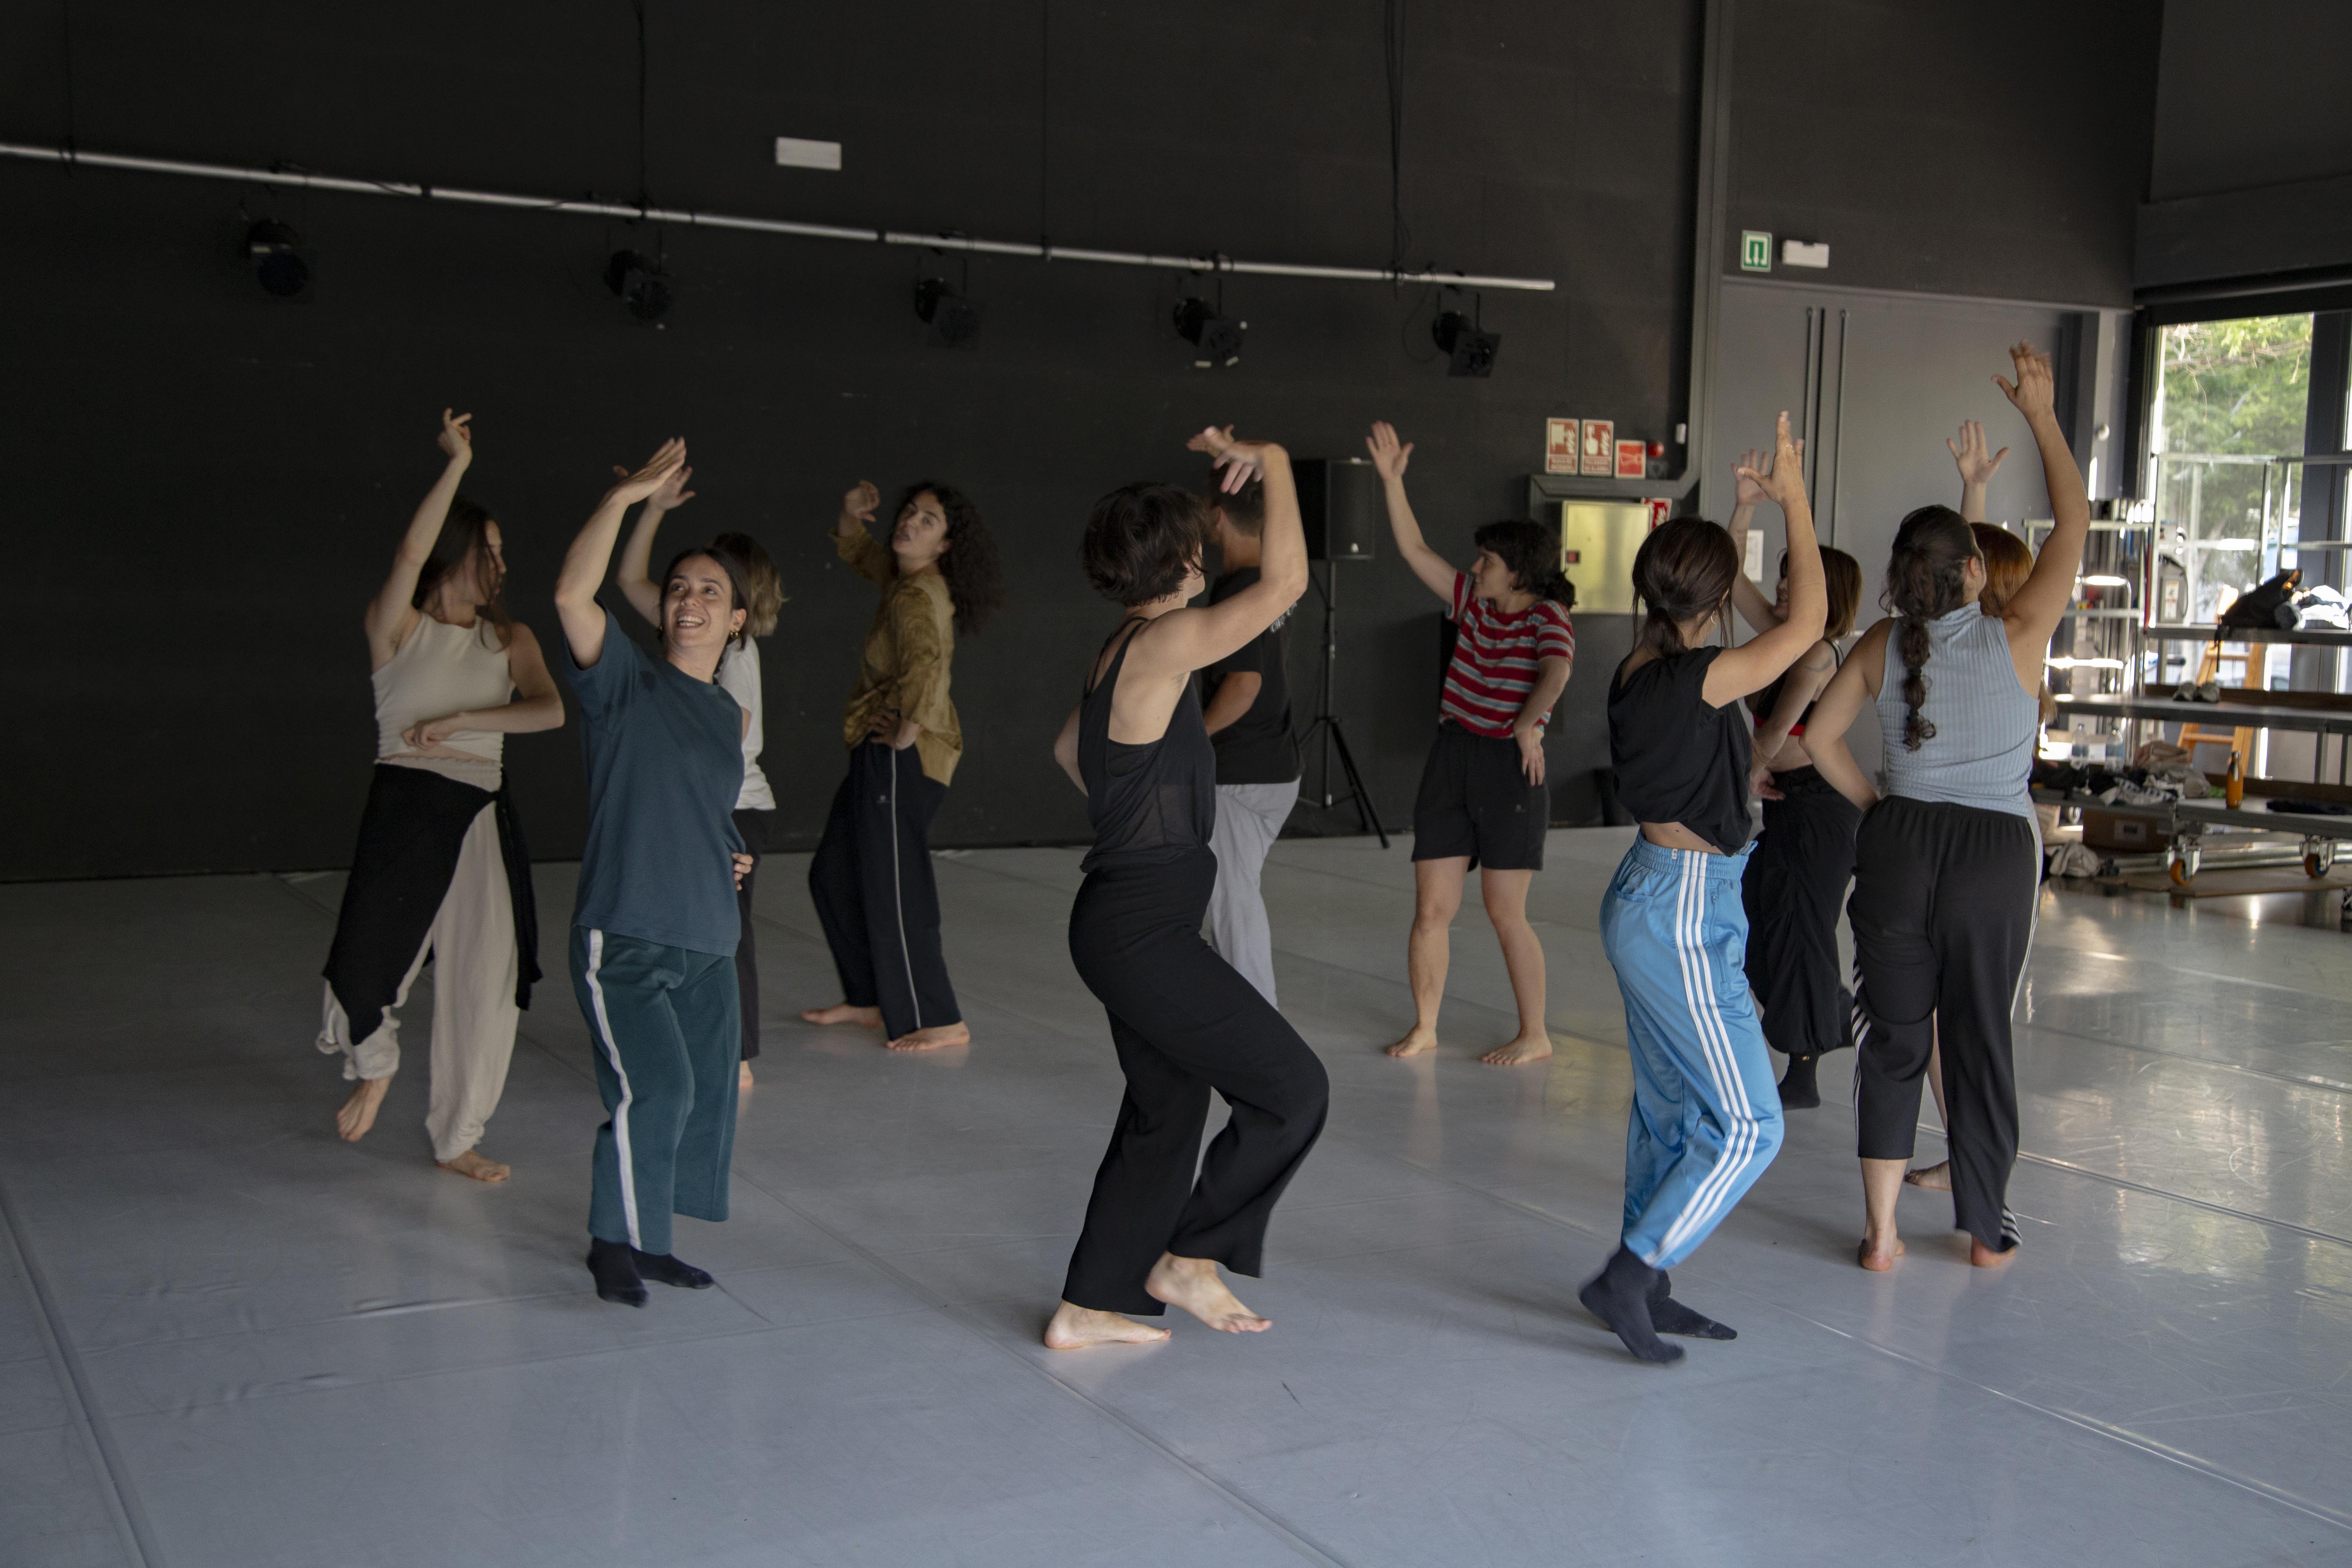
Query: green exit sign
x,y
1755,251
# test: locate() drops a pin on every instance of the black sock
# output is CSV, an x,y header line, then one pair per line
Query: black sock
x,y
1620,1297
663,1268
1669,1316
615,1268
1798,1090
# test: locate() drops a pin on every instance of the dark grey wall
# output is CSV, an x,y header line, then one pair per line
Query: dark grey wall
x,y
209,482
2251,166
1997,150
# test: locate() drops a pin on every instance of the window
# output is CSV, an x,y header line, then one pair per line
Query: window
x,y
2229,396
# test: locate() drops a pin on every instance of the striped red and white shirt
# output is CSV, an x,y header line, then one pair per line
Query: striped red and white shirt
x,y
1495,657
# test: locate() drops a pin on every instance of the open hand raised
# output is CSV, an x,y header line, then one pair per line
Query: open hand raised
x,y
1746,491
659,469
456,437
1239,459
1781,481
2035,391
1390,455
1968,452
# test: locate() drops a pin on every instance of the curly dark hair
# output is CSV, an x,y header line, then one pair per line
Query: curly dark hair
x,y
975,579
1683,571
1531,550
1140,541
1926,576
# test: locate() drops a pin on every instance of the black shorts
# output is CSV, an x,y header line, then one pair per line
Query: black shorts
x,y
1476,800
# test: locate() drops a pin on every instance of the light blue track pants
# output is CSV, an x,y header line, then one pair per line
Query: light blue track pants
x,y
1706,1115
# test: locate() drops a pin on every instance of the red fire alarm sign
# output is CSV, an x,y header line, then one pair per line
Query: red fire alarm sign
x,y
1632,460
1600,446
1560,446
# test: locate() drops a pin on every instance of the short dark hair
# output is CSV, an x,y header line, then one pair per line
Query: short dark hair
x,y
738,590
1244,508
1531,550
1842,580
1142,539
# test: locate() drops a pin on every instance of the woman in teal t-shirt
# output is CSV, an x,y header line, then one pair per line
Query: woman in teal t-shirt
x,y
654,929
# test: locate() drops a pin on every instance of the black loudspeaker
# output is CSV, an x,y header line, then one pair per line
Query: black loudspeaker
x,y
1341,503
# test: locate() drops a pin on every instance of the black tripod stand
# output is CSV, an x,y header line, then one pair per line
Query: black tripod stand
x,y
1326,723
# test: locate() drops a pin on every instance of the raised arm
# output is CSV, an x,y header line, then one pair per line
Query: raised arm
x,y
634,577
1850,690
1755,664
853,539
1745,596
1182,641
1977,469
1389,457
2032,612
592,553
389,614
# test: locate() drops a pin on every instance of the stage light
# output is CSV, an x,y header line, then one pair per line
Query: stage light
x,y
275,253
1469,350
1217,339
954,318
642,284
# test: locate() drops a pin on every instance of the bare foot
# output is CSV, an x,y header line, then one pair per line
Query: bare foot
x,y
1876,1257
1935,1178
471,1164
742,1078
937,1038
1195,1284
1083,1328
1984,1257
1519,1052
358,1113
1413,1044
843,1013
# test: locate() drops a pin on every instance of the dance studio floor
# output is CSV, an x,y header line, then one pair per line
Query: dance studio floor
x,y
226,1338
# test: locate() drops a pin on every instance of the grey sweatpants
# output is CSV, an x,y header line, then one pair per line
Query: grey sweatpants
x,y
1249,818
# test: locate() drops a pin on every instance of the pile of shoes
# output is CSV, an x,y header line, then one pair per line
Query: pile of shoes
x,y
2198,691
2171,777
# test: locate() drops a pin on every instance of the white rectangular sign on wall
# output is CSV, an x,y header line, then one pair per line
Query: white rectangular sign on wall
x,y
793,152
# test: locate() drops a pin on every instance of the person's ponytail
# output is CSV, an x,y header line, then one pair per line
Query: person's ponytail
x,y
1927,577
1683,570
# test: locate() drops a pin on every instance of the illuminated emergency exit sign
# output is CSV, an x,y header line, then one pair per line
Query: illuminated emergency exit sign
x,y
1755,251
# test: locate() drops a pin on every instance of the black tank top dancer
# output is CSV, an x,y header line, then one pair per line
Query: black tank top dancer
x,y
1184,1022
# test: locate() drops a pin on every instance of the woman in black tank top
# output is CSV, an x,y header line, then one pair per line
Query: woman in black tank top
x,y
1796,879
1183,1020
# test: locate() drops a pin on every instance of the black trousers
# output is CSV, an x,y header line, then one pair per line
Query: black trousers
x,y
875,893
1184,1022
753,826
1942,913
1793,888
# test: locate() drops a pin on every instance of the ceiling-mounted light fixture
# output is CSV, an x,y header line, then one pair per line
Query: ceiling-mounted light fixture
x,y
275,253
954,318
642,285
1469,349
1217,339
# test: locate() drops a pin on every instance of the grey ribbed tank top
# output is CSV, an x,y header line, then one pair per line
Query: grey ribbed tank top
x,y
1982,749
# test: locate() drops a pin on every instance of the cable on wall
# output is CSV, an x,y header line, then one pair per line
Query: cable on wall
x,y
74,157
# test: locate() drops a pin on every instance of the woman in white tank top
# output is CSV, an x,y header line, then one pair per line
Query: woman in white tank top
x,y
739,675
440,869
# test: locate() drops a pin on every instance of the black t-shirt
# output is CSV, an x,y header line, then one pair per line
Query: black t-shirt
x,y
1255,747
1679,759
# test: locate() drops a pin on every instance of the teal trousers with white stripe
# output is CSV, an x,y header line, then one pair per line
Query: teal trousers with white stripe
x,y
1706,1115
665,1026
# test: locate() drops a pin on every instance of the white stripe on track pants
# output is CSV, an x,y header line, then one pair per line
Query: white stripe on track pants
x,y
1706,1116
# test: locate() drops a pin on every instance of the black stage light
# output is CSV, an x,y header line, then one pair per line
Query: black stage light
x,y
275,253
642,285
1218,337
1469,350
953,318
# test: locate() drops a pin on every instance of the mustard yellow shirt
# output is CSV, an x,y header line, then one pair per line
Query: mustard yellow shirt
x,y
904,664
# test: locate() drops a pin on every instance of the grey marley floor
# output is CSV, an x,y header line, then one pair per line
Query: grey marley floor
x,y
227,1339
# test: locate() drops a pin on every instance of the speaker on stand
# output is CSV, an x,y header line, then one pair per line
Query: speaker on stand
x,y
1344,511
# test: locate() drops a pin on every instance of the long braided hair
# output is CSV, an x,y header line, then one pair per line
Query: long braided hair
x,y
1926,577
1683,570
